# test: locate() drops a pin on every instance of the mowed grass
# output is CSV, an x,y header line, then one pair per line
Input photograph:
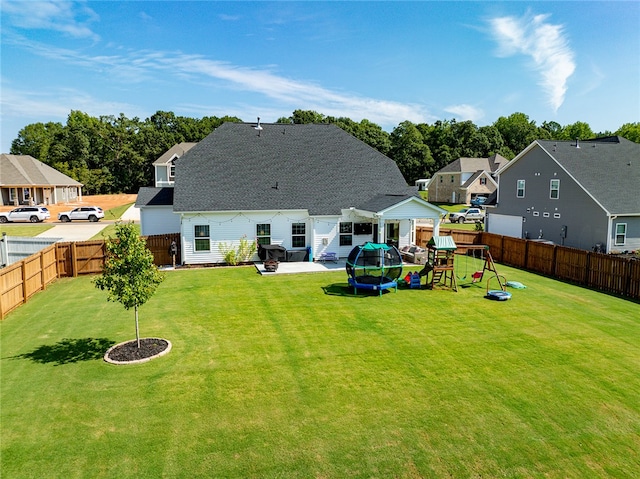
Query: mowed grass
x,y
293,376
29,230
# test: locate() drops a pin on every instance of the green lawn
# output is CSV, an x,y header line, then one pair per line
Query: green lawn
x,y
30,230
110,231
295,377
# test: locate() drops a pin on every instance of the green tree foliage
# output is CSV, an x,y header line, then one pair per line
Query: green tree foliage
x,y
129,275
36,139
110,154
630,131
115,154
410,152
579,130
518,132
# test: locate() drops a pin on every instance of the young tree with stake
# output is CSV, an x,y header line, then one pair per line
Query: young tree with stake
x,y
129,275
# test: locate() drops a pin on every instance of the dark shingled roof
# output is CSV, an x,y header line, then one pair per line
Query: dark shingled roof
x,y
607,168
149,196
319,168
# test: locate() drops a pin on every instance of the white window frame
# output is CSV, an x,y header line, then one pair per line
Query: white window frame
x,y
346,233
622,235
296,235
13,194
263,233
555,189
201,237
518,189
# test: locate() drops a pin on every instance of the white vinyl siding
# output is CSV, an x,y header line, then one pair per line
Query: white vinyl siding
x,y
158,220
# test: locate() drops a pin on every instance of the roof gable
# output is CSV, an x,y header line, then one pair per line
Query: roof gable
x,y
470,165
319,168
25,170
176,151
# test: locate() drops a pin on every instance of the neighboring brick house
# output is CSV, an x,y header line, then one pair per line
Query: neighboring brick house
x,y
582,194
464,179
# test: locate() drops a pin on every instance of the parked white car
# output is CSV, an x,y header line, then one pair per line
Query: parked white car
x,y
25,214
466,214
91,213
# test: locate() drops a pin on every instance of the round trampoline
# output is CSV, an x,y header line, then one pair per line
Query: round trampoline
x,y
374,266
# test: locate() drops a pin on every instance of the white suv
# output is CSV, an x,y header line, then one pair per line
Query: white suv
x,y
26,214
91,213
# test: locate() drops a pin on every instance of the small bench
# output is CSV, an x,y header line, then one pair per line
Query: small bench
x,y
328,256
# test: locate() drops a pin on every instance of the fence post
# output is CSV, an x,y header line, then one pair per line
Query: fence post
x,y
74,265
4,250
23,269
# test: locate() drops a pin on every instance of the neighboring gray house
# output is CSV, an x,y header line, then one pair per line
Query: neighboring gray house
x,y
464,179
583,194
27,181
298,186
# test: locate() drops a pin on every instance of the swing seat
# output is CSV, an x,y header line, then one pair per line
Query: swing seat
x,y
476,276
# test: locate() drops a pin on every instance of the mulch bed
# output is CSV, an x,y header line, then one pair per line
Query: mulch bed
x,y
130,352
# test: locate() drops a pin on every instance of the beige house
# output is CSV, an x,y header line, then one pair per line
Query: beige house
x,y
464,179
27,181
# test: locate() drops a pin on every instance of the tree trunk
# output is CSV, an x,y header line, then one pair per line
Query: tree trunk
x,y
137,330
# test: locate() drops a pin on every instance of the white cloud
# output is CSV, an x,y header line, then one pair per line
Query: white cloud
x,y
289,94
547,46
465,112
55,104
66,17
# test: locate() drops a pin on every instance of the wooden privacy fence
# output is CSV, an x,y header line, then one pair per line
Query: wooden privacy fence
x,y
613,274
21,280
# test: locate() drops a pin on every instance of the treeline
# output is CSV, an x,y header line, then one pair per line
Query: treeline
x,y
115,154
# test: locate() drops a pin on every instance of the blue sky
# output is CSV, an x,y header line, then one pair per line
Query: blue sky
x,y
383,61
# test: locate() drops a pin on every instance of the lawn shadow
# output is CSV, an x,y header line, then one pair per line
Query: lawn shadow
x,y
346,290
69,351
338,289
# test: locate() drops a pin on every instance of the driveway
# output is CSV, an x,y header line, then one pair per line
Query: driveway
x,y
85,230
